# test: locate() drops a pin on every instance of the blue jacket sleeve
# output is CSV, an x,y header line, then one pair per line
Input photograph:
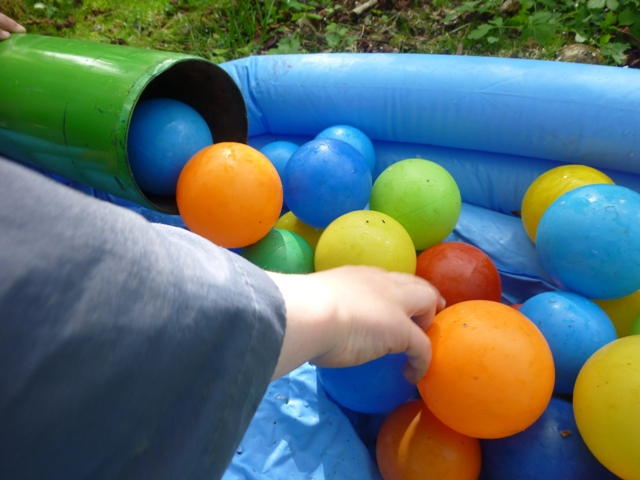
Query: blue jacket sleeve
x,y
128,350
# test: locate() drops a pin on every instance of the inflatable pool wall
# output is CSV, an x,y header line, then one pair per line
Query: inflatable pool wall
x,y
65,106
495,124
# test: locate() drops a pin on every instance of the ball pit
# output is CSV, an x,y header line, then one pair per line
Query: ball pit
x,y
494,124
349,390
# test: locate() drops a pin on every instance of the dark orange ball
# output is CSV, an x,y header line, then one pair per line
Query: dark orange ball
x,y
460,272
229,193
413,445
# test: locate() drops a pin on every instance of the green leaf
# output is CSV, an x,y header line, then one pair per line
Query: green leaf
x,y
609,20
540,32
465,7
286,45
295,6
480,32
492,39
612,4
615,51
496,21
596,4
333,39
604,39
544,17
450,17
580,38
628,17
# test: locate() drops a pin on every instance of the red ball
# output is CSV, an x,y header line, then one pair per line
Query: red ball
x,y
460,272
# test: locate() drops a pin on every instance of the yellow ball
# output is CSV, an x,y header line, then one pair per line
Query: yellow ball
x,y
622,311
290,222
606,403
552,184
365,237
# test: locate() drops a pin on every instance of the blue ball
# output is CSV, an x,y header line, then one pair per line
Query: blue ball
x,y
325,179
550,449
354,137
163,135
588,241
279,154
574,327
373,387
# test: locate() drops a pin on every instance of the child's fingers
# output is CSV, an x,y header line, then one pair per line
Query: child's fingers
x,y
9,25
422,301
419,357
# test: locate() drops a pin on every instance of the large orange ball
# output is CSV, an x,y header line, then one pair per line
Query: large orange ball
x,y
413,445
229,193
491,372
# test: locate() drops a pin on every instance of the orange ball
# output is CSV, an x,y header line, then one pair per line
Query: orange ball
x,y
413,445
229,193
491,372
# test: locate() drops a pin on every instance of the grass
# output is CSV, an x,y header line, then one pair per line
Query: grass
x,y
603,31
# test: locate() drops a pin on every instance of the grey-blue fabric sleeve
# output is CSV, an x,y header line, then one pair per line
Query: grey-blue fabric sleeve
x,y
128,350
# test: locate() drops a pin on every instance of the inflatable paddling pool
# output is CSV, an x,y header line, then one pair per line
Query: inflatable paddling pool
x,y
495,124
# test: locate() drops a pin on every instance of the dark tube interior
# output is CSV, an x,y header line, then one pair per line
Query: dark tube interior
x,y
213,94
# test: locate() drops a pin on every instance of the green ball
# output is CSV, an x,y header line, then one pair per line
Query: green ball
x,y
281,251
635,327
422,196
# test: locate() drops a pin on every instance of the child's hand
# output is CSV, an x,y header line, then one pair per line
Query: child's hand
x,y
8,26
351,315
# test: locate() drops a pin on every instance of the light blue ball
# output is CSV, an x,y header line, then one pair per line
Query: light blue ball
x,y
163,135
279,154
588,241
354,137
574,328
373,387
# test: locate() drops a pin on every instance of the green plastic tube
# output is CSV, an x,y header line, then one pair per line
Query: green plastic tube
x,y
65,106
